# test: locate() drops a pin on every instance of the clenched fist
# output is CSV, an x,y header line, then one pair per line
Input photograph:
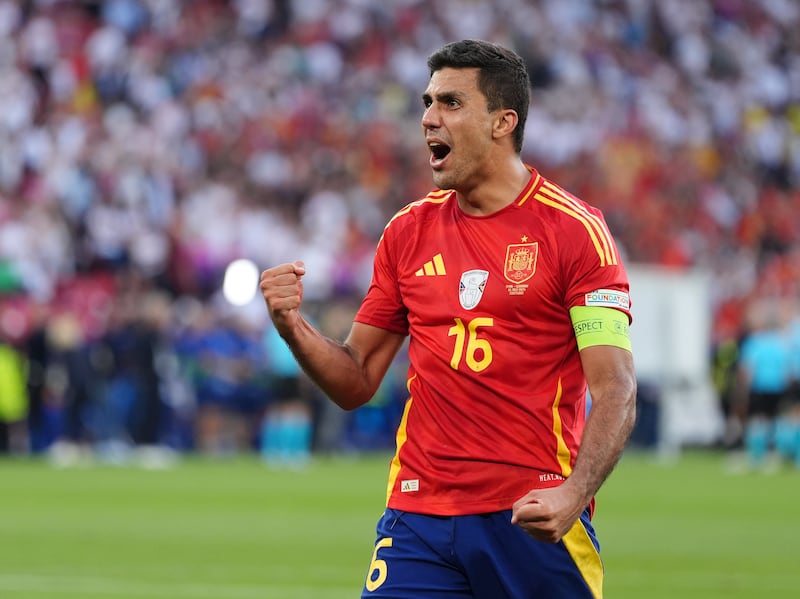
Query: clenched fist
x,y
282,288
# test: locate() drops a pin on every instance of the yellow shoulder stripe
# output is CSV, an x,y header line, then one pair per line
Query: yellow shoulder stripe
x,y
554,197
438,196
530,190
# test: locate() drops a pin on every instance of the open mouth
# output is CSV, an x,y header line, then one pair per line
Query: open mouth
x,y
438,153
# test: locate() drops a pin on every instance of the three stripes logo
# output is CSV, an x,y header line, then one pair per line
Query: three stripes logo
x,y
432,268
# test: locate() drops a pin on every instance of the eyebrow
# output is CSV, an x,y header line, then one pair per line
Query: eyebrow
x,y
444,96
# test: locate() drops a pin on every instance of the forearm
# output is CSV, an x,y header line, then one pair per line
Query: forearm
x,y
605,435
547,514
332,365
350,372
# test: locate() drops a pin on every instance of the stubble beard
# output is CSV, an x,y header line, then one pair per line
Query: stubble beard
x,y
443,181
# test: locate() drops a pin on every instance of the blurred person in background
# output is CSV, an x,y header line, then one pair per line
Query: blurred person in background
x,y
765,377
287,422
14,402
787,428
41,429
129,405
135,342
724,374
229,362
514,301
71,381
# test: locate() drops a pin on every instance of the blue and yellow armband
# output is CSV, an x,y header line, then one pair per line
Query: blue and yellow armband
x,y
595,325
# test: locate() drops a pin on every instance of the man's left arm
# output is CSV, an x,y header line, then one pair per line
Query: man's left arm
x,y
548,514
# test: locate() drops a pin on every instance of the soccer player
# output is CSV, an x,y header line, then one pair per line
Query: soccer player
x,y
513,297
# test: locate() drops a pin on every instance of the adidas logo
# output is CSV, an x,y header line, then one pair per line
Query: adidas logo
x,y
432,268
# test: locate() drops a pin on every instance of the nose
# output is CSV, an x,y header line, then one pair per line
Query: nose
x,y
430,118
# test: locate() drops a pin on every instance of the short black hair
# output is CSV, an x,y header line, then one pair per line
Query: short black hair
x,y
502,76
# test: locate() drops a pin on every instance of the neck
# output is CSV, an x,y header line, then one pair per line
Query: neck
x,y
495,190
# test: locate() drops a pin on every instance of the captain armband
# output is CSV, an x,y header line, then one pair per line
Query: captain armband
x,y
596,325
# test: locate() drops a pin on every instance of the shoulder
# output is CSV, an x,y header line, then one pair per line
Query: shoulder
x,y
574,219
563,205
419,211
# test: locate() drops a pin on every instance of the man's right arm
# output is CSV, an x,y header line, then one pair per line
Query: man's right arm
x,y
350,372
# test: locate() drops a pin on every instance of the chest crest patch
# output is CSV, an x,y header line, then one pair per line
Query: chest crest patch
x,y
471,286
521,261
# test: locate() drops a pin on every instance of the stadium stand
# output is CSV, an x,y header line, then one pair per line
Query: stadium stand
x,y
146,144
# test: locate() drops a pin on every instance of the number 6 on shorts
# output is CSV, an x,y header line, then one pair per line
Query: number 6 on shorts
x,y
377,568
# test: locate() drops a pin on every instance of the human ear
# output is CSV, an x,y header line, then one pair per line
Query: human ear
x,y
504,123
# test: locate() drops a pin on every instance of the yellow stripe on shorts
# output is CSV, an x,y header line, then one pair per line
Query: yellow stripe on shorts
x,y
585,555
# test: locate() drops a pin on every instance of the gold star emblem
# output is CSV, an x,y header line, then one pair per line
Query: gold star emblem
x,y
524,238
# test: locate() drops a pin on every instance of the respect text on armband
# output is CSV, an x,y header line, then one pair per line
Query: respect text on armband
x,y
597,325
588,326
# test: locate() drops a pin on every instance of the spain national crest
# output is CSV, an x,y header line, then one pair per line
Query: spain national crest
x,y
521,261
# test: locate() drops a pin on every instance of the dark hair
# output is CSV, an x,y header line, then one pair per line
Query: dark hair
x,y
502,76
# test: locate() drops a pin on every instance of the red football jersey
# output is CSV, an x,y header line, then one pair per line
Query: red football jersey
x,y
497,396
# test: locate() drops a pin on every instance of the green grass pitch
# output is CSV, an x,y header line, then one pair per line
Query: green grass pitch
x,y
234,529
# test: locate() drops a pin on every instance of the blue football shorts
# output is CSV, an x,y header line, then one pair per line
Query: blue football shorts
x,y
480,556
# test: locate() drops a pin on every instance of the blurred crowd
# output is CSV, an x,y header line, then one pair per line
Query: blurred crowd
x,y
146,144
